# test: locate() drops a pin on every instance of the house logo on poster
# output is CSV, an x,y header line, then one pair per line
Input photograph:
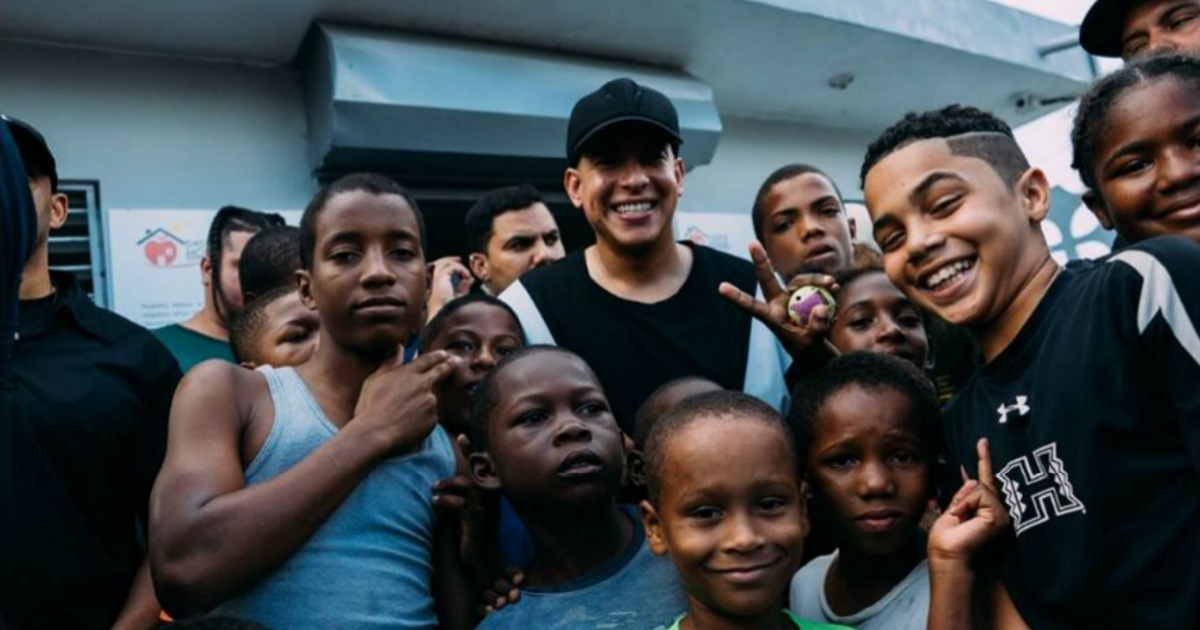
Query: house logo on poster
x,y
162,248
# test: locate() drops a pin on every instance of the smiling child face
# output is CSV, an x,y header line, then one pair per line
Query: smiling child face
x,y
732,519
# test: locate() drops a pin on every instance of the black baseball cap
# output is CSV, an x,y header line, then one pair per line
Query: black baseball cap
x,y
35,153
619,101
1102,27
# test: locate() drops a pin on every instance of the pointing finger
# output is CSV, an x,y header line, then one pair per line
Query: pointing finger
x,y
440,371
985,463
765,271
429,360
756,308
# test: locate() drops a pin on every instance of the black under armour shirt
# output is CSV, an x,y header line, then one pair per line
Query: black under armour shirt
x,y
1093,417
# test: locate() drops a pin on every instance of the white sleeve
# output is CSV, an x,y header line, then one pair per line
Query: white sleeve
x,y
766,363
536,331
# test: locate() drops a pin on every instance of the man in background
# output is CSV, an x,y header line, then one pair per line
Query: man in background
x,y
205,335
1136,28
83,426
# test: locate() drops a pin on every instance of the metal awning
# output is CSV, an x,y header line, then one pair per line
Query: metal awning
x,y
426,107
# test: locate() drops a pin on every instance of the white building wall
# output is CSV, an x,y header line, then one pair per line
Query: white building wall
x,y
163,132
172,133
751,149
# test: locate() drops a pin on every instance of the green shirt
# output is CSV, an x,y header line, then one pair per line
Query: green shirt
x,y
191,347
802,624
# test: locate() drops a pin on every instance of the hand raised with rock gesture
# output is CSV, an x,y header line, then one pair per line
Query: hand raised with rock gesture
x,y
803,340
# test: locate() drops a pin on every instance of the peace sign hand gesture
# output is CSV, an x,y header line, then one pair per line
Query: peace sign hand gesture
x,y
800,340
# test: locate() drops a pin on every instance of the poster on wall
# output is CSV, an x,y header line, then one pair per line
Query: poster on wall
x,y
724,231
154,262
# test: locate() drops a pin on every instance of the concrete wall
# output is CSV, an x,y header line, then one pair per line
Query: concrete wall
x,y
751,149
164,132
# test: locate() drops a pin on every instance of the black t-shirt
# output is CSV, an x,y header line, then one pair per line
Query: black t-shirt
x,y
955,354
83,428
634,347
1093,418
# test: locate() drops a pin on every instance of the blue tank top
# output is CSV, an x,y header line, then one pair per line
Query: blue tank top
x,y
370,566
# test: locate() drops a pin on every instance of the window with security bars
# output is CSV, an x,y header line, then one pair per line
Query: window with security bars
x,y
78,246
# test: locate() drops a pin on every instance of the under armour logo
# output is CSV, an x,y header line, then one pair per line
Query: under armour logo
x,y
1038,488
1019,407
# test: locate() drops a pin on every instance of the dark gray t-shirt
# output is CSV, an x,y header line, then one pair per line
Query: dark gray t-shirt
x,y
637,590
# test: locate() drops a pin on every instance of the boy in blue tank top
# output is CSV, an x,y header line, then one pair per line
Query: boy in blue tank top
x,y
300,497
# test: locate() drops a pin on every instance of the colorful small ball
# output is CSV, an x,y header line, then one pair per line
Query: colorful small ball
x,y
805,299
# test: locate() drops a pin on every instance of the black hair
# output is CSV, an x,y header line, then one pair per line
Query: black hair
x,y
995,145
847,276
1098,101
269,260
372,183
482,215
483,401
215,622
873,372
649,411
232,219
432,329
247,326
722,405
783,174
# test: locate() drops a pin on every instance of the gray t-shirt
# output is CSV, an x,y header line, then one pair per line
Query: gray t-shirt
x,y
637,590
905,607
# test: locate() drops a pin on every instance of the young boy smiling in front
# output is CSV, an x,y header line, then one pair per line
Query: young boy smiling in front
x,y
1087,395
640,308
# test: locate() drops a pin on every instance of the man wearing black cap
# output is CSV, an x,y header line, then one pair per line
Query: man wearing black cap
x,y
1136,28
639,307
83,421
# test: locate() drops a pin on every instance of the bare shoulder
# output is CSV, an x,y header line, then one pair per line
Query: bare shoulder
x,y
218,392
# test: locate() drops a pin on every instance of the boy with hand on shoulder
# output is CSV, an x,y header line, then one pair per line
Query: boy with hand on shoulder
x,y
732,519
479,330
312,485
275,329
1087,396
544,435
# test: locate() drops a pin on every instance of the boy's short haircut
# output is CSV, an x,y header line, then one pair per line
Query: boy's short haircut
x,y
872,372
783,174
646,416
847,276
247,327
434,328
969,131
372,183
1098,100
270,260
482,216
483,401
724,404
